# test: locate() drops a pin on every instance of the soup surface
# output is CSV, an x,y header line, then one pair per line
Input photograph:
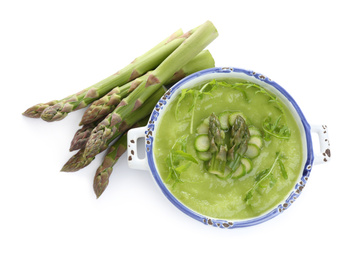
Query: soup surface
x,y
265,168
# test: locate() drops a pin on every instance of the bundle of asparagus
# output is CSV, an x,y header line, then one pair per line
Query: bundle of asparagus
x,y
126,98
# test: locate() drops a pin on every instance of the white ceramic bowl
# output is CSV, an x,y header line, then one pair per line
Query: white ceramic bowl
x,y
309,157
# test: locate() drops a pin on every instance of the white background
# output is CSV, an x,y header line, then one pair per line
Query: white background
x,y
50,49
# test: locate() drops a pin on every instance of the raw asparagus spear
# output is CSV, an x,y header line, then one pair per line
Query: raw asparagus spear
x,y
139,66
81,159
76,162
101,178
105,105
194,44
36,110
200,38
81,136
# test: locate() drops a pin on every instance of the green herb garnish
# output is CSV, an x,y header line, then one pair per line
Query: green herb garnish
x,y
267,174
195,93
272,98
236,86
178,160
206,89
275,129
181,155
284,173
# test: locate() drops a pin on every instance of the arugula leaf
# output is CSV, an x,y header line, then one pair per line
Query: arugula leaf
x,y
270,128
272,98
283,170
272,181
183,167
206,89
195,94
275,129
181,155
175,173
181,143
248,195
245,96
263,175
182,96
178,160
209,87
236,86
172,174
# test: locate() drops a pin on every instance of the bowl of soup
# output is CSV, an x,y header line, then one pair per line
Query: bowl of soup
x,y
229,147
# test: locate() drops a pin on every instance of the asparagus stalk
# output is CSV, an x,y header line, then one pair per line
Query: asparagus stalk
x,y
203,60
36,110
76,162
139,66
218,148
215,133
217,165
81,136
200,38
196,41
239,143
101,178
84,156
105,105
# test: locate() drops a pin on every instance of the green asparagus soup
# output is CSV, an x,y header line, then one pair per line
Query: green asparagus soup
x,y
228,149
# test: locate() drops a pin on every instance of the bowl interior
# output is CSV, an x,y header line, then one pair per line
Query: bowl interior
x,y
273,87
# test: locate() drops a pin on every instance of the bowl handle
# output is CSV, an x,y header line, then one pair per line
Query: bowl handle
x,y
134,161
325,153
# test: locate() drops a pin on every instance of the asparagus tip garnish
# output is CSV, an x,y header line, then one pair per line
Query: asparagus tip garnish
x,y
216,136
239,142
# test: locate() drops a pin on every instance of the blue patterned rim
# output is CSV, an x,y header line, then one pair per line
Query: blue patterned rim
x,y
221,222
